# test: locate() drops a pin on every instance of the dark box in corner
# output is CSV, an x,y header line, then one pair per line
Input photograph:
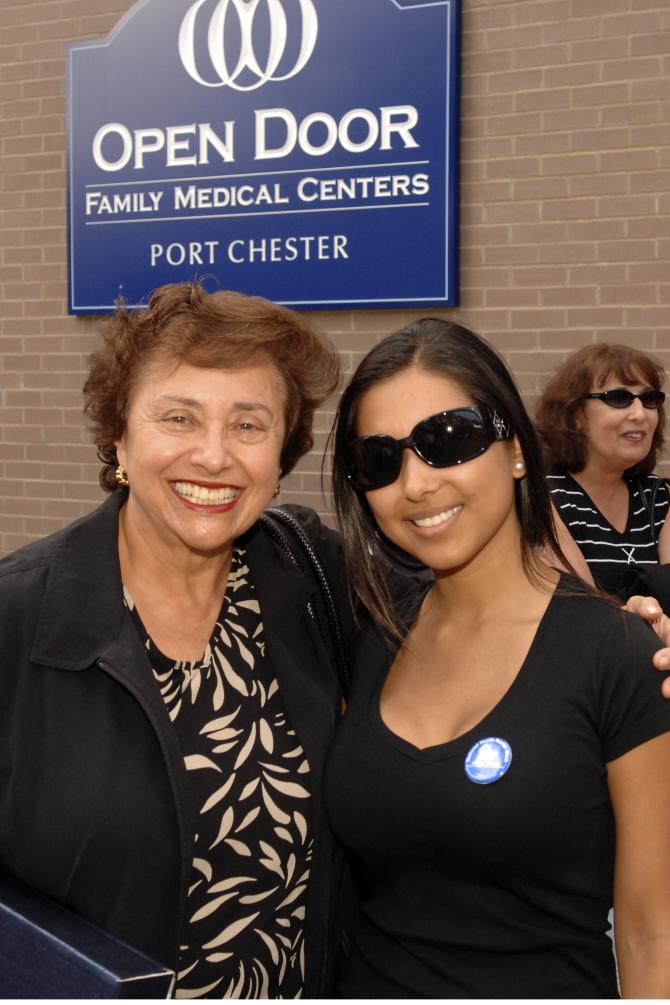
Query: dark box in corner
x,y
47,951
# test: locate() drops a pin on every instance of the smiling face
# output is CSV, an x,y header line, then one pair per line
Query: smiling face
x,y
445,517
618,438
202,452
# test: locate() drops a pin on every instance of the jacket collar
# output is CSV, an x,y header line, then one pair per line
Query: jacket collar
x,y
81,603
82,611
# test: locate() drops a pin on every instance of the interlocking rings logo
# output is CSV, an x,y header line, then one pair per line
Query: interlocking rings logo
x,y
246,11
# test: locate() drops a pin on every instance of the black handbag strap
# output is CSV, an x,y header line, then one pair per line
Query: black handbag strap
x,y
650,504
277,521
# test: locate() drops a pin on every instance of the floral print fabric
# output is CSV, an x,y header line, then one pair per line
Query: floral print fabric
x,y
244,929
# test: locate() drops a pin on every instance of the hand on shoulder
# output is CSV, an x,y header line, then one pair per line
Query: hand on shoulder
x,y
650,611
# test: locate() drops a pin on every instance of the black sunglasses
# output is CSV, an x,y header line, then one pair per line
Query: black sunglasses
x,y
441,440
621,398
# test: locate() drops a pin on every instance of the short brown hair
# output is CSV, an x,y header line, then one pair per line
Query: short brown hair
x,y
185,323
566,447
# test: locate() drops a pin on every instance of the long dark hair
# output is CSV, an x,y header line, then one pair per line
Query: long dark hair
x,y
449,349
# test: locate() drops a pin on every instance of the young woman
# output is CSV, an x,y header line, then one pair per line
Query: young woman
x,y
498,776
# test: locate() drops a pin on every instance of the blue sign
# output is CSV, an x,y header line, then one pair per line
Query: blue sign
x,y
302,150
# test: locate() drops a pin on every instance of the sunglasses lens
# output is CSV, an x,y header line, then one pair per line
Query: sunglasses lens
x,y
619,398
652,399
373,462
451,438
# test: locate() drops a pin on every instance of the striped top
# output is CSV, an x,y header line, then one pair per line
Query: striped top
x,y
613,557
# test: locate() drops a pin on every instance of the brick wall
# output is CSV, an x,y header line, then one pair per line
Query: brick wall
x,y
565,220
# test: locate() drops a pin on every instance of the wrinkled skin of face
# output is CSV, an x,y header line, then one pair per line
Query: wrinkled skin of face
x,y
618,438
202,452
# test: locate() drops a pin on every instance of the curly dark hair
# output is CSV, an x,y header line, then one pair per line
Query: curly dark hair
x,y
566,447
185,323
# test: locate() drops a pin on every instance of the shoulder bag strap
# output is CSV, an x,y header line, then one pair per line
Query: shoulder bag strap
x,y
273,518
650,504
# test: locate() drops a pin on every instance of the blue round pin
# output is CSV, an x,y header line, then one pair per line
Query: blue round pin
x,y
488,760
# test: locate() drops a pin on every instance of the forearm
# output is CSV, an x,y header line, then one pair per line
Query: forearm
x,y
644,965
638,784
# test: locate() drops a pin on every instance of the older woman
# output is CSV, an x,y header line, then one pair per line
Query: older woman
x,y
601,422
167,699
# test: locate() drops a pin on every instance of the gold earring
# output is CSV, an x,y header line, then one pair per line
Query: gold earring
x,y
121,476
277,490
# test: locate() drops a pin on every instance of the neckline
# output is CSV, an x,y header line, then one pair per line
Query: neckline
x,y
165,664
629,516
456,745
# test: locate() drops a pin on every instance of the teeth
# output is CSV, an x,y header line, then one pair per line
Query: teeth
x,y
199,493
435,521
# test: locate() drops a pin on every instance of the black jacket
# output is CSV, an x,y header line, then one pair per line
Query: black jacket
x,y
94,800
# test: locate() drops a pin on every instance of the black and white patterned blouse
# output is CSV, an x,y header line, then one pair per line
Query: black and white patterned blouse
x,y
244,928
613,556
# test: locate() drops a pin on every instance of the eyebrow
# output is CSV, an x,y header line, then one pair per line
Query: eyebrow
x,y
237,406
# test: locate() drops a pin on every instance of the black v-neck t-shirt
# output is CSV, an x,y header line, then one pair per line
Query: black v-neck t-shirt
x,y
497,890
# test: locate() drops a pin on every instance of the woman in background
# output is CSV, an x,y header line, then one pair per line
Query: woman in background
x,y
601,422
499,775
